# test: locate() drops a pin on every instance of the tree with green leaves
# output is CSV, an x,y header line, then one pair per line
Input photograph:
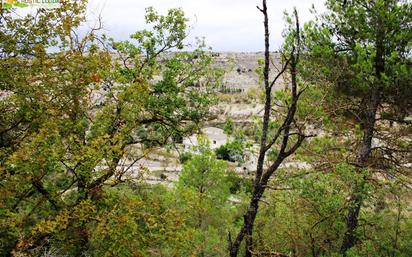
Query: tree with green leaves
x,y
204,190
363,49
74,121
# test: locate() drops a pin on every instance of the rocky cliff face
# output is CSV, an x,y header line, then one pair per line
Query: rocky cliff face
x,y
241,70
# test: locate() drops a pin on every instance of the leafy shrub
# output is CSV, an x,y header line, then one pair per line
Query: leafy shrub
x,y
239,183
231,151
184,157
229,127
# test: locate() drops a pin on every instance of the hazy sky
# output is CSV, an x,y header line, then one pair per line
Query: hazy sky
x,y
227,25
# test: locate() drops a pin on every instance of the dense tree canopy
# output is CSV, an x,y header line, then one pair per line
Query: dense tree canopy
x,y
69,117
369,42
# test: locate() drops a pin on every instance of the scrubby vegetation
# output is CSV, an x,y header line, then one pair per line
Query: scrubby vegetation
x,y
330,150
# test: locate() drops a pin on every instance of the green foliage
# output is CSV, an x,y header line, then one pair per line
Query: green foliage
x,y
205,175
344,44
239,183
306,215
348,54
184,157
231,151
69,118
229,127
133,223
204,189
236,146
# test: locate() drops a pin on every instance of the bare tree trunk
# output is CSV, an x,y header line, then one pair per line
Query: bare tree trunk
x,y
283,134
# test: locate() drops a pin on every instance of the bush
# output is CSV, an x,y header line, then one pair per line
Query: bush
x,y
239,183
229,127
231,151
184,157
